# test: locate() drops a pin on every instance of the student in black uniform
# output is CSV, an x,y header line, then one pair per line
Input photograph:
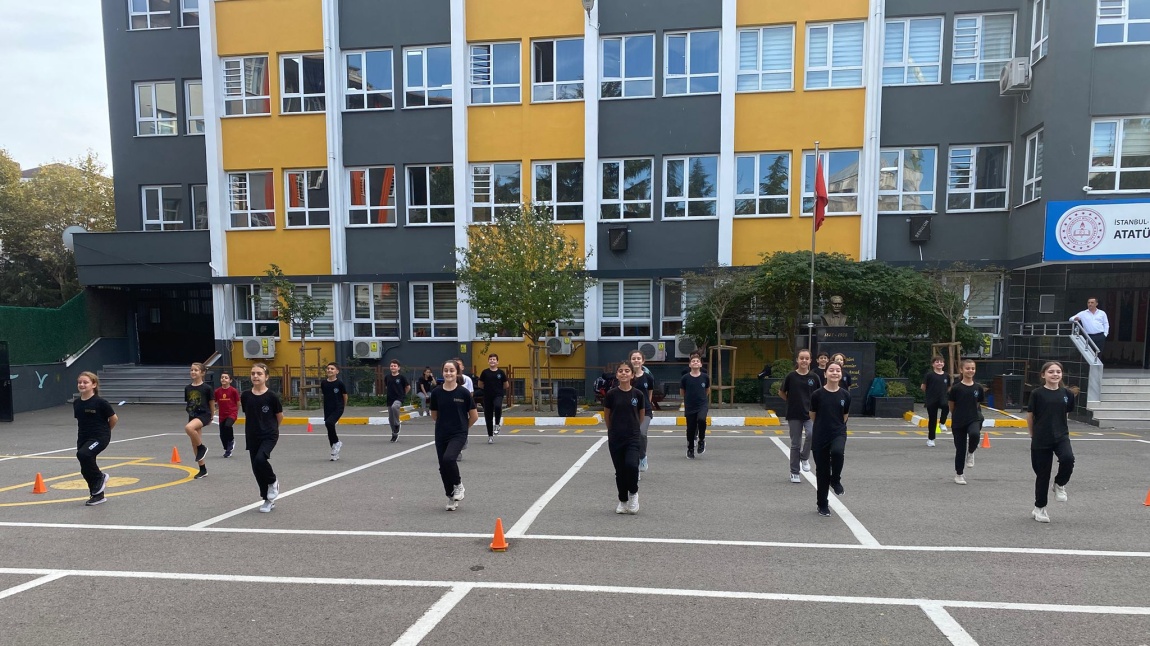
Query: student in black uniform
x,y
423,389
642,379
200,402
453,410
623,409
95,420
1050,436
695,389
830,410
935,383
966,398
841,359
820,368
796,389
334,402
495,385
397,388
263,414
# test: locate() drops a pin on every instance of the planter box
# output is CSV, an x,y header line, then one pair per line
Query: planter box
x,y
892,406
777,404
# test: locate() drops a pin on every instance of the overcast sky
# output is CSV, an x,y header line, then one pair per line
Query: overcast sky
x,y
53,94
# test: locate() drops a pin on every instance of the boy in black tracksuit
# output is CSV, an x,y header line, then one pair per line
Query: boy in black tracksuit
x,y
624,408
495,385
830,409
695,389
334,402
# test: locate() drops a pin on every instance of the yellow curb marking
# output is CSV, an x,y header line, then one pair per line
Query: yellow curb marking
x,y
117,481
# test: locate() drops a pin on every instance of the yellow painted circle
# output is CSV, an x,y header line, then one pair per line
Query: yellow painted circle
x,y
114,481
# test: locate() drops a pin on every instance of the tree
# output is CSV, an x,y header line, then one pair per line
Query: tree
x,y
297,308
728,290
952,290
523,274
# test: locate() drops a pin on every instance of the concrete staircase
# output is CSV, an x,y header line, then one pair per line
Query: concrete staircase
x,y
144,384
1125,401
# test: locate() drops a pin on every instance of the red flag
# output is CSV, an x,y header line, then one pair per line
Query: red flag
x,y
821,198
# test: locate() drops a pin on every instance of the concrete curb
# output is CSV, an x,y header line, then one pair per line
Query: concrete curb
x,y
1013,422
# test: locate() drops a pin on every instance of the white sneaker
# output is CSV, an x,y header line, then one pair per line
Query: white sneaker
x,y
930,442
1040,515
457,494
452,504
335,450
621,508
805,465
632,503
969,460
643,464
103,485
267,506
498,427
796,478
959,479
274,490
491,440
1060,493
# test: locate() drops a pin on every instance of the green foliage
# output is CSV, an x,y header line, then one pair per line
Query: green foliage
x,y
885,368
296,307
747,390
896,389
776,388
723,304
44,334
780,368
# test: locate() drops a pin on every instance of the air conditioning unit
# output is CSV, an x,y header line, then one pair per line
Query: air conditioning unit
x,y
1015,78
560,346
684,346
653,350
366,348
260,347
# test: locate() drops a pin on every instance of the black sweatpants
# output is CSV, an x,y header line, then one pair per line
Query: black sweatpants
x,y
965,441
87,448
643,426
696,427
934,417
227,433
260,451
447,449
829,455
1043,460
329,422
492,412
625,457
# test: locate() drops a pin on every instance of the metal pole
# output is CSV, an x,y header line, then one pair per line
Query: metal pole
x,y
811,313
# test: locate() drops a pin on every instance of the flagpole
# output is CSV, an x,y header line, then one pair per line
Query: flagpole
x,y
814,219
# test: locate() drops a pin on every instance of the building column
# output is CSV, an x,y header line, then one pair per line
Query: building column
x,y
337,198
728,79
459,156
872,124
592,174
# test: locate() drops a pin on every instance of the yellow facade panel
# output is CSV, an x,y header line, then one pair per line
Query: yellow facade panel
x,y
514,19
268,26
543,131
296,251
756,236
770,121
291,141
287,354
764,12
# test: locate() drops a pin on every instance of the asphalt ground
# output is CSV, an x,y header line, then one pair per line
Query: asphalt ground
x,y
724,550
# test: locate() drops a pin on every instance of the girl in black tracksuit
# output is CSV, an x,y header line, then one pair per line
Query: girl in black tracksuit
x,y
830,409
1050,436
95,420
966,398
935,383
453,411
624,408
641,378
263,414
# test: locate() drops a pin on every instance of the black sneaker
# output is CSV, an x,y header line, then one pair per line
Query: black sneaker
x,y
824,510
227,453
691,452
838,488
103,485
96,499
201,451
702,447
202,474
394,435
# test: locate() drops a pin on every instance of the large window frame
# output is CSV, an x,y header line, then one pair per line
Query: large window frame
x,y
189,13
559,187
677,296
761,54
687,71
422,181
323,326
967,175
626,72
307,201
489,73
371,196
495,188
1039,30
157,114
144,15
302,91
1032,167
619,197
160,207
621,306
418,91
247,86
1115,27
437,317
916,58
200,212
842,195
757,189
971,51
255,317
1120,150
375,310
680,188
194,123
831,60
360,67
241,214
554,79
902,174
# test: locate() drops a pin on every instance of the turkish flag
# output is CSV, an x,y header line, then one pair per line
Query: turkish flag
x,y
821,198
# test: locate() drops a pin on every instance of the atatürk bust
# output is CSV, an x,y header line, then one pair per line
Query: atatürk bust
x,y
835,317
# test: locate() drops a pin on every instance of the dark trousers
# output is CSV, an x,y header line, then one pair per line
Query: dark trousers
x,y
1099,340
447,449
492,412
829,455
260,451
933,416
625,457
696,427
87,448
1043,460
329,422
965,441
227,433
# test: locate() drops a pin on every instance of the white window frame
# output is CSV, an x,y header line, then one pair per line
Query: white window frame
x,y
906,64
575,328
555,84
239,183
623,79
149,15
757,72
450,317
197,223
260,316
309,102
366,197
1032,168
974,43
424,88
486,206
237,80
974,190
622,321
163,223
1039,30
900,181
189,8
379,325
363,92
809,191
757,196
622,202
326,321
1117,12
481,63
688,76
479,320
995,301
161,126
426,169
685,197
303,181
194,122
830,68
689,294
553,205
1115,166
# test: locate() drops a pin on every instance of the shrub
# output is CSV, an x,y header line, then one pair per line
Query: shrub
x,y
747,390
896,389
885,368
776,387
780,368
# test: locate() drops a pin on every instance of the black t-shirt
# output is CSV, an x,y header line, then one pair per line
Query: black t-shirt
x,y
821,372
396,388
798,389
1049,408
627,408
92,416
260,412
197,398
646,383
426,385
831,410
695,392
936,386
333,393
966,404
452,410
493,382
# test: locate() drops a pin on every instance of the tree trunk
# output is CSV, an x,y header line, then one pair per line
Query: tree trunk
x,y
717,378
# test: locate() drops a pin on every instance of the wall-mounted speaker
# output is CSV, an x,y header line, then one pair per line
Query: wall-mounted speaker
x,y
920,229
617,238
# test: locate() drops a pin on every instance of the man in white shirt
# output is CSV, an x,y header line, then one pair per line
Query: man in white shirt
x,y
1094,323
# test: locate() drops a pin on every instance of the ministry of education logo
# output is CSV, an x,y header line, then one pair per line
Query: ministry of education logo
x,y
1081,230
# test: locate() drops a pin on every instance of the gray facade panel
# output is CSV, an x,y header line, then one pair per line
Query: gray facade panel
x,y
367,24
660,245
397,137
143,258
896,8
969,113
668,126
401,250
621,17
1119,81
969,237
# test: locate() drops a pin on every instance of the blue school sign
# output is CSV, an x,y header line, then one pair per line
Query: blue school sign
x,y
1092,230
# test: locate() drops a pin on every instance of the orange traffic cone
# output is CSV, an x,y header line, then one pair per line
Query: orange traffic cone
x,y
309,427
40,488
500,543
985,440
175,456
1147,503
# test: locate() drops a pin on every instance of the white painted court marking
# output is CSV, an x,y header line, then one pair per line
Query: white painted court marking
x,y
947,625
73,448
35,583
520,527
433,616
285,494
852,523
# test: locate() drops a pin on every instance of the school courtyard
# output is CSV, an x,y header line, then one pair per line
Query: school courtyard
x,y
724,550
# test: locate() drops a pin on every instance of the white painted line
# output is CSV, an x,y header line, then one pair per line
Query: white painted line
x,y
947,625
433,616
35,583
520,527
285,494
73,449
864,537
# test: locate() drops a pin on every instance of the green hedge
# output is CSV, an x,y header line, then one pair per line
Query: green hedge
x,y
44,334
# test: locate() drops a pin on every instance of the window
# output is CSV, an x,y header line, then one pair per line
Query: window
x,y
625,308
1122,22
912,51
626,189
189,13
149,14
200,207
495,189
983,44
256,316
628,67
427,77
368,80
194,107
692,63
766,59
557,70
372,196
302,84
1039,30
494,73
763,184
841,174
977,178
1120,155
375,310
559,185
246,86
834,55
689,186
678,297
984,306
430,195
162,208
1032,173
573,329
156,109
307,198
906,180
433,311
485,328
251,200
323,327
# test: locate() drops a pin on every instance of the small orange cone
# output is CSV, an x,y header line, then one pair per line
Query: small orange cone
x,y
1147,503
500,543
309,427
40,488
985,440
175,456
